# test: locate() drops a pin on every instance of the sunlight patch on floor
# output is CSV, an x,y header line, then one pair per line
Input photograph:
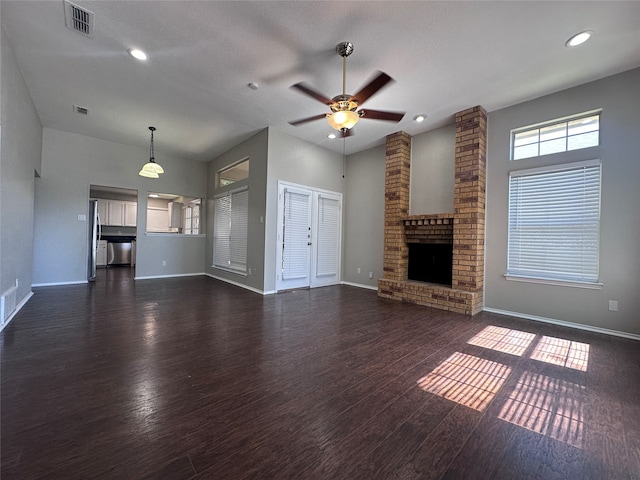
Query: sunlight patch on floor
x,y
466,379
548,406
504,340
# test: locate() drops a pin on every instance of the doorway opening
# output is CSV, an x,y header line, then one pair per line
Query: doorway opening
x,y
112,225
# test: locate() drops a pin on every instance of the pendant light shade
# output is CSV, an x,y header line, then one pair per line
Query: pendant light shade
x,y
151,169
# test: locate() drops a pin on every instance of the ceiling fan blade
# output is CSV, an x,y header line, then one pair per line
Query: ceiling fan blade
x,y
308,119
381,115
378,82
307,90
347,132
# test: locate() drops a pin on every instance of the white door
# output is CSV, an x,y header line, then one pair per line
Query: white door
x,y
308,237
325,258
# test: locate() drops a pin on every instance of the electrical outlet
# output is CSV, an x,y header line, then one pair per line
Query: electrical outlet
x,y
370,274
164,263
249,270
359,270
613,305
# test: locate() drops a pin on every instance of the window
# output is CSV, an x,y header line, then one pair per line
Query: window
x,y
192,218
233,173
579,131
554,222
230,229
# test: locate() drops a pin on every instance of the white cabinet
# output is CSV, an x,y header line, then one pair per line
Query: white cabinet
x,y
118,213
130,214
103,211
175,214
101,257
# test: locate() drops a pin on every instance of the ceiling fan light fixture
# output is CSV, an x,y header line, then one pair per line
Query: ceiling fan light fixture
x,y
151,169
343,119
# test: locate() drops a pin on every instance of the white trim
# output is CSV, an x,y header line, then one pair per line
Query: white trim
x,y
596,162
241,285
360,285
57,284
560,283
579,326
575,116
170,276
22,303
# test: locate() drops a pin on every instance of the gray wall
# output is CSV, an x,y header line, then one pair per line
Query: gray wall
x,y
70,164
295,161
363,218
619,97
20,158
255,148
433,171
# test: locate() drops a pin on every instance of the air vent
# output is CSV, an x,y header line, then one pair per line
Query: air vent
x,y
78,19
81,110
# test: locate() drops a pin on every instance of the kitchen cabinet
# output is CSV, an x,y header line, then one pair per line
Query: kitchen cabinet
x,y
101,257
115,213
118,213
103,211
130,214
175,214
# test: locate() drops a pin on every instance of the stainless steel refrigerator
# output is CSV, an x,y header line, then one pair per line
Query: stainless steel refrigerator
x,y
95,232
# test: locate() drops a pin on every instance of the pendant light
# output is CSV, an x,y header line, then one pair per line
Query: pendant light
x,y
151,169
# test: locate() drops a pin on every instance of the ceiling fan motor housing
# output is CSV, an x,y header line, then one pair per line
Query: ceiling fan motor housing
x,y
344,49
343,103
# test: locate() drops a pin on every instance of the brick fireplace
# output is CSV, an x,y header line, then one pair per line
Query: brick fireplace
x,y
464,227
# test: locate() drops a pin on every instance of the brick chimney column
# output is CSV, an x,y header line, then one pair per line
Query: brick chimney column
x,y
396,205
469,202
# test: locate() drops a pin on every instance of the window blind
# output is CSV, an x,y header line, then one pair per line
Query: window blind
x,y
230,230
554,222
327,241
295,254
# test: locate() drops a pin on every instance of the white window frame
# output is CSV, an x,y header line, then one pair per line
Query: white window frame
x,y
230,230
527,261
562,141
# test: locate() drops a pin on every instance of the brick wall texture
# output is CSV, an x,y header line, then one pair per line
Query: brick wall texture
x,y
465,227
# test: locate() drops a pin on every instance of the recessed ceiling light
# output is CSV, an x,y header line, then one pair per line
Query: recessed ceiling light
x,y
331,136
137,54
420,118
578,39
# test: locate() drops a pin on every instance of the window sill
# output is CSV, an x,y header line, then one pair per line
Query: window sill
x,y
560,283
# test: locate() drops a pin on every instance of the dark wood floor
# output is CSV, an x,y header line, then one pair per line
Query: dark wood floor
x,y
191,378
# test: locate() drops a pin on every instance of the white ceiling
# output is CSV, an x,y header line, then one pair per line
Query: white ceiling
x,y
444,56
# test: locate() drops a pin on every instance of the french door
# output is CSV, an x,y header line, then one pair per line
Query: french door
x,y
309,237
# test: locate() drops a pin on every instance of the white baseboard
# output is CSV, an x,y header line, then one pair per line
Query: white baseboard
x,y
360,285
579,326
17,309
58,284
241,285
170,276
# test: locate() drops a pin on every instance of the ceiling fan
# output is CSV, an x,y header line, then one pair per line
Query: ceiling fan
x,y
344,108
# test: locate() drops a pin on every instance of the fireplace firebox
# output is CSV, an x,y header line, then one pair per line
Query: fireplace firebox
x,y
431,262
